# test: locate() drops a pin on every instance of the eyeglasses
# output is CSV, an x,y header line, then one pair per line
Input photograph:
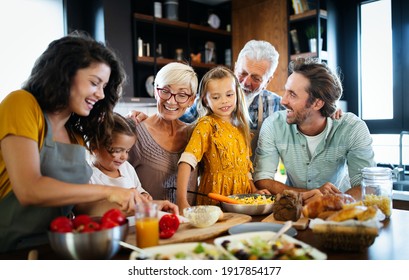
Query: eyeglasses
x,y
166,94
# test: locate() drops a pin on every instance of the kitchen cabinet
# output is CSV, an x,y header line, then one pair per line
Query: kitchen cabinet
x,y
263,20
307,20
189,38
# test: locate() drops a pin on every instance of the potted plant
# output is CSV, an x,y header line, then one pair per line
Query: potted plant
x,y
311,33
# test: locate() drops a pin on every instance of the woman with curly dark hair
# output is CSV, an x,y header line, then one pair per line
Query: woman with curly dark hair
x,y
67,101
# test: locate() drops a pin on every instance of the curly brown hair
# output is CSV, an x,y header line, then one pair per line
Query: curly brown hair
x,y
52,75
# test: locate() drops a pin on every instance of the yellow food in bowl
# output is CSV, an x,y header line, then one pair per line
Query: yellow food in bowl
x,y
254,200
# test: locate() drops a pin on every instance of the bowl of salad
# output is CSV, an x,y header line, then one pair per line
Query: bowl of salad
x,y
256,246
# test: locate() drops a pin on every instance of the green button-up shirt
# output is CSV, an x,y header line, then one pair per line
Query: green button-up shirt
x,y
338,158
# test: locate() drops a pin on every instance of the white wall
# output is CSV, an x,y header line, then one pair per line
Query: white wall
x,y
124,108
26,28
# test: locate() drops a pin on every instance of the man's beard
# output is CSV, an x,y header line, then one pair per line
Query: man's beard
x,y
250,94
298,117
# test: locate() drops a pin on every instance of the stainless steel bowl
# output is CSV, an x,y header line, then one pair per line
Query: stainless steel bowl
x,y
248,209
103,244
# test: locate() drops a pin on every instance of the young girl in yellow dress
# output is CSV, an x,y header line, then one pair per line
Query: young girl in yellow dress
x,y
221,139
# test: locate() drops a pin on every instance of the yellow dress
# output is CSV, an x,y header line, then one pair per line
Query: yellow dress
x,y
222,149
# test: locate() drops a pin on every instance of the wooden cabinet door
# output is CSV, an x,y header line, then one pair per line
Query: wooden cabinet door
x,y
262,20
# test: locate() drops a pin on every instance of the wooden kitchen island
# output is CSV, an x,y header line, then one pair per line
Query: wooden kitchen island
x,y
391,244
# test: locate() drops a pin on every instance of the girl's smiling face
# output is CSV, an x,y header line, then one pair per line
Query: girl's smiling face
x,y
221,97
110,158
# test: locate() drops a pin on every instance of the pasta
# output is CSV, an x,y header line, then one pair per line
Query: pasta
x,y
255,199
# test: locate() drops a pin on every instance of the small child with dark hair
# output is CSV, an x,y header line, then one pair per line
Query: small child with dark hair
x,y
110,166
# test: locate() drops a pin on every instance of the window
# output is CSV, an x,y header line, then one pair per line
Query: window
x,y
26,27
376,60
383,76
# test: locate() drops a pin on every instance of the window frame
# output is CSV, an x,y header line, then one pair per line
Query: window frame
x,y
400,119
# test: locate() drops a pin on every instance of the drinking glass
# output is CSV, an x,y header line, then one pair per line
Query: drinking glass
x,y
146,224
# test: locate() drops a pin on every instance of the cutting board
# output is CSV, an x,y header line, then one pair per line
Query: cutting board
x,y
189,233
301,224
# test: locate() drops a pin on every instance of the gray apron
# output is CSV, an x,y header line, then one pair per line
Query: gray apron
x,y
26,226
256,132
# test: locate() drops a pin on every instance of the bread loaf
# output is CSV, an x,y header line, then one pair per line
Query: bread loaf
x,y
287,206
328,202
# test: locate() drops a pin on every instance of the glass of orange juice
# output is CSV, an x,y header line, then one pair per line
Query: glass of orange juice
x,y
146,224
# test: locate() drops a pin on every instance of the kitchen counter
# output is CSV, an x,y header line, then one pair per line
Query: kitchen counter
x,y
391,244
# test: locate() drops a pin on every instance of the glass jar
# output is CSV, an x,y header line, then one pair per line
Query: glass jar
x,y
377,188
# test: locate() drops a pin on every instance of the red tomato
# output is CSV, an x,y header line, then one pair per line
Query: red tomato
x,y
81,220
114,215
108,224
168,225
61,224
165,234
90,227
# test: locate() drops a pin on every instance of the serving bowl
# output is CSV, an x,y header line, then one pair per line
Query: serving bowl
x,y
202,215
102,244
250,209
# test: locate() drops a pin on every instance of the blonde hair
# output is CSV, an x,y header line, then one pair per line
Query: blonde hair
x,y
177,73
240,116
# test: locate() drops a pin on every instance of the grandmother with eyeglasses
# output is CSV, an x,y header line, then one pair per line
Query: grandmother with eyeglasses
x,y
162,137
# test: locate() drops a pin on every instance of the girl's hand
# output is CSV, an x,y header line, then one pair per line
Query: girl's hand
x,y
182,205
167,206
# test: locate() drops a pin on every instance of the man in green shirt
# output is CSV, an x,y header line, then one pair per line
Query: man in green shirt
x,y
319,153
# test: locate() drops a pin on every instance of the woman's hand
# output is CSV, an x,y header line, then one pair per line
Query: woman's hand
x,y
167,206
125,198
137,116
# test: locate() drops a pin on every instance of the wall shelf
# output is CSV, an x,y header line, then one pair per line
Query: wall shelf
x,y
149,60
312,21
187,36
308,14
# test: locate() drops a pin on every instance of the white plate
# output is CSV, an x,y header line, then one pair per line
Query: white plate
x,y
214,21
149,85
237,241
252,227
170,251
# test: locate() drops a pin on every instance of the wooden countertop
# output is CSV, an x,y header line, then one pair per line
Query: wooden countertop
x,y
391,244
